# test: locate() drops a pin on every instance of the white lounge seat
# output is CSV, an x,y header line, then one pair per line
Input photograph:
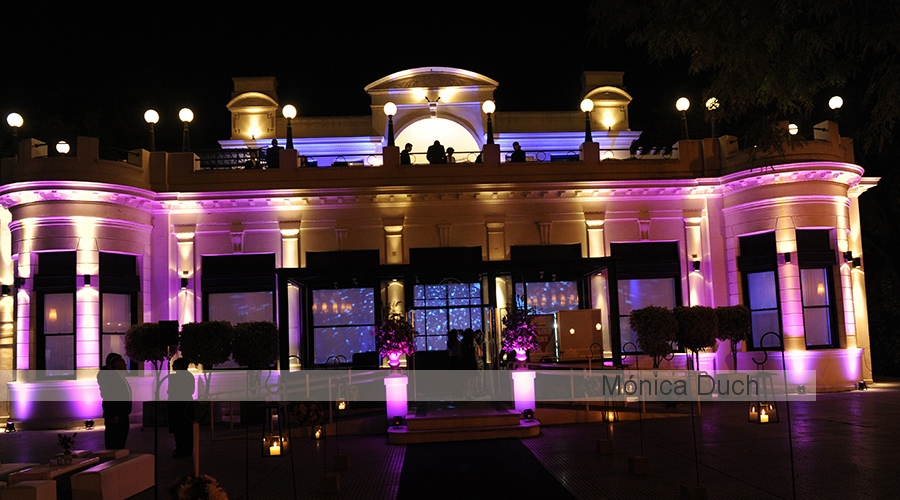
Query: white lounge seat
x,y
114,480
30,490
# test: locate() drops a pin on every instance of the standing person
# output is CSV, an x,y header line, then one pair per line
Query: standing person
x,y
404,155
468,360
273,158
116,394
453,349
450,158
436,153
180,404
479,359
517,154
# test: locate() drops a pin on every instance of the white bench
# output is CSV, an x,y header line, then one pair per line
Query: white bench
x,y
114,480
7,469
30,490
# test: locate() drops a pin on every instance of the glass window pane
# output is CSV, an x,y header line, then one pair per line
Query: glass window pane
x,y
817,323
627,335
549,297
241,307
59,313
112,343
59,355
761,288
636,294
763,322
116,313
814,286
344,340
436,321
346,306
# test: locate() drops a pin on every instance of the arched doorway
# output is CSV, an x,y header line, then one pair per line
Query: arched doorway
x,y
424,132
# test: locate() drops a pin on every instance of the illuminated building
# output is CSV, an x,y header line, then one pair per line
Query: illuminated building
x,y
341,229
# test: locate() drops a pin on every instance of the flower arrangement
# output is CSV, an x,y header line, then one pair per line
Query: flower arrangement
x,y
519,334
201,487
394,334
67,442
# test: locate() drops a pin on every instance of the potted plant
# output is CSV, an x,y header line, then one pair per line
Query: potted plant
x,y
395,336
519,331
202,487
697,329
67,443
734,326
207,343
142,345
656,328
255,344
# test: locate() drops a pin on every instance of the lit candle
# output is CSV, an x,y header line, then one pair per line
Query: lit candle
x,y
763,417
753,413
318,433
275,450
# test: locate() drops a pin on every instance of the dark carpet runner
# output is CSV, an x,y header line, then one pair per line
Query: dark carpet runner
x,y
488,469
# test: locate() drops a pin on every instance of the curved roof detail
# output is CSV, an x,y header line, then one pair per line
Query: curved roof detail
x,y
431,77
252,100
607,93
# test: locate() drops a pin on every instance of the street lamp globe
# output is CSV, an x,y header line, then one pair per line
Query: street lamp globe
x,y
14,120
587,105
682,104
793,129
488,107
712,104
151,116
62,147
390,108
835,102
289,111
186,115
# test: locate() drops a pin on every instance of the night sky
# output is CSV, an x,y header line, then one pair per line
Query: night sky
x,y
94,73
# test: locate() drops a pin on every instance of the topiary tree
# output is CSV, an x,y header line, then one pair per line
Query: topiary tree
x,y
255,344
656,328
697,329
207,343
734,326
142,345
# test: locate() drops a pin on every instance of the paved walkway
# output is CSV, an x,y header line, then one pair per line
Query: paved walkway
x,y
845,445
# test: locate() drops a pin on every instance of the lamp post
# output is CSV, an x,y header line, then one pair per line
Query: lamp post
x,y
488,107
186,116
682,104
712,104
15,121
587,106
390,109
835,104
152,118
289,112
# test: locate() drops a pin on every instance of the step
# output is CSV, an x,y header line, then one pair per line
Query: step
x,y
523,429
463,421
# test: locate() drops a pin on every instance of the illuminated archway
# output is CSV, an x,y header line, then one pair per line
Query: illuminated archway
x,y
424,132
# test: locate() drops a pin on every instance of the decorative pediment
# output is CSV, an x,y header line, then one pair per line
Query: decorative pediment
x,y
252,100
430,77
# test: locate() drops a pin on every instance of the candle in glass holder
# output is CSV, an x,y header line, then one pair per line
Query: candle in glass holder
x,y
763,417
275,450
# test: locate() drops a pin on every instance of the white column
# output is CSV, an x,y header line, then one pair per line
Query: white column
x,y
87,304
789,285
496,239
596,244
187,312
393,240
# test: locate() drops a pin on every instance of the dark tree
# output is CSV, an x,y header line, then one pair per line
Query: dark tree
x,y
656,328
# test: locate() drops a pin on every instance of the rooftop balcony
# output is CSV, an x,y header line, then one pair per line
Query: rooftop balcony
x,y
184,172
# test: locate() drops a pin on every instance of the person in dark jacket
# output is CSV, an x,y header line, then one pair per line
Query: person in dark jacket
x,y
180,404
405,159
116,394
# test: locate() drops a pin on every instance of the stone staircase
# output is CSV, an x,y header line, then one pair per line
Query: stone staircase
x,y
462,421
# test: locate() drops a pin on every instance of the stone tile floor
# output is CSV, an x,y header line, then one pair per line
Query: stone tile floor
x,y
844,445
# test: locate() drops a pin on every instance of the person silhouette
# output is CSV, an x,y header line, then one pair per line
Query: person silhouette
x,y
116,395
436,153
517,154
404,155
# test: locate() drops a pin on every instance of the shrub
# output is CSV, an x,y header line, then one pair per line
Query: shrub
x,y
734,326
255,344
697,328
656,328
